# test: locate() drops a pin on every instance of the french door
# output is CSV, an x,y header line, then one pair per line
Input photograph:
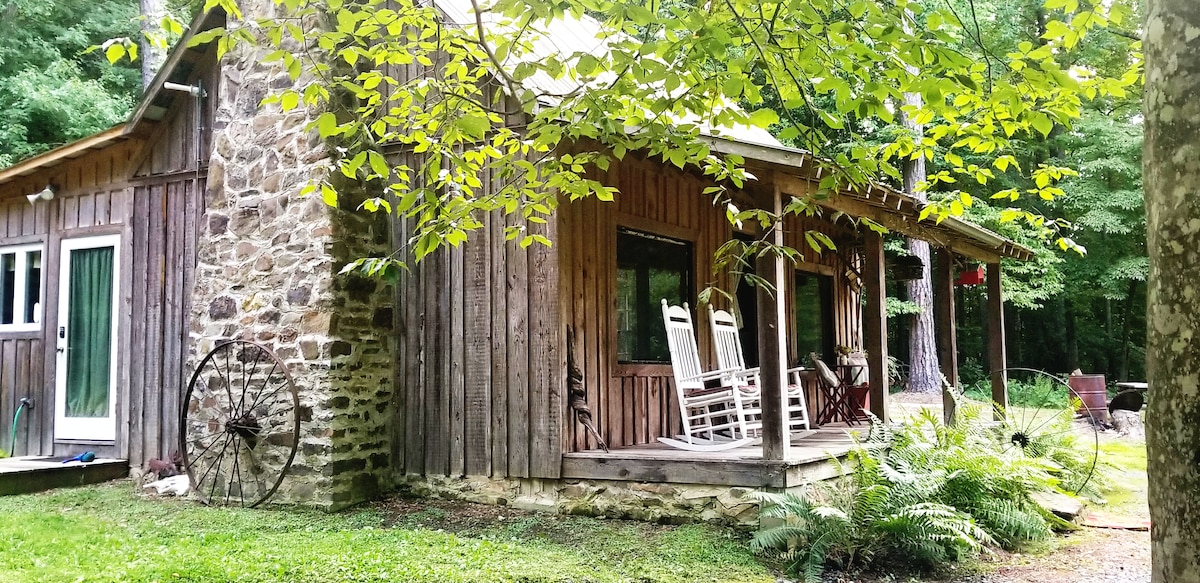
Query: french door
x,y
86,339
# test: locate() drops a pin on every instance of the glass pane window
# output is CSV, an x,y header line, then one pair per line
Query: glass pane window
x,y
650,269
813,310
20,287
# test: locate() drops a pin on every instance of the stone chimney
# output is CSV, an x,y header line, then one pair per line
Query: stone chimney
x,y
268,262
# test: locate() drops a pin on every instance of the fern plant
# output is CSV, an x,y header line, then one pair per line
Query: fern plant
x,y
922,492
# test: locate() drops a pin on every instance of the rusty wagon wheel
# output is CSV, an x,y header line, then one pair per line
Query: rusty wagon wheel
x,y
1045,419
240,425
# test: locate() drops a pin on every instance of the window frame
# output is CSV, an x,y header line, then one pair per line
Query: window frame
x,y
653,311
21,286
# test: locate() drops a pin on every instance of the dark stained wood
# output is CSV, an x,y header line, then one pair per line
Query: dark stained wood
x,y
153,358
138,334
398,430
546,381
875,323
456,362
500,356
772,341
947,328
997,352
415,357
478,353
518,360
437,445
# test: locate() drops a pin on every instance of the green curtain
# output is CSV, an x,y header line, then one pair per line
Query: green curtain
x,y
89,332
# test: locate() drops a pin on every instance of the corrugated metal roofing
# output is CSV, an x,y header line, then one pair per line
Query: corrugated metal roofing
x,y
563,39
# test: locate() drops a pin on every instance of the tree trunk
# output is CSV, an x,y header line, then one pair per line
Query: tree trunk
x,y
1123,374
924,376
1172,183
152,57
1072,337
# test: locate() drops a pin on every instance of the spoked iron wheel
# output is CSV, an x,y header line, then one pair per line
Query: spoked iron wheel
x,y
240,425
1041,421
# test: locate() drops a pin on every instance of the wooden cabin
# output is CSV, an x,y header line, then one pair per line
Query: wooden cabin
x,y
489,398
457,373
97,272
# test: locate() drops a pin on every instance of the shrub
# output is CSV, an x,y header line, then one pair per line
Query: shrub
x,y
922,493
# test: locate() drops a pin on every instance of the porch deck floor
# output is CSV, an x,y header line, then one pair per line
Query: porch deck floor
x,y
810,458
24,475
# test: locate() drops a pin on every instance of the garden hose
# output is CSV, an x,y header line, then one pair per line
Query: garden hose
x,y
25,402
13,441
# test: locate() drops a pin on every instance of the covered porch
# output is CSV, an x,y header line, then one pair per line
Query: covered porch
x,y
662,231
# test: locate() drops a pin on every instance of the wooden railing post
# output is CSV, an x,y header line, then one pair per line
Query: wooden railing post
x,y
997,353
772,343
947,332
875,324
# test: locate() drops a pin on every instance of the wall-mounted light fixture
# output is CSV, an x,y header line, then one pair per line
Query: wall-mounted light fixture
x,y
45,194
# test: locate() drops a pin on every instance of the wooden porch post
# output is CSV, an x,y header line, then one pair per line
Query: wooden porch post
x,y
947,334
997,353
875,324
772,344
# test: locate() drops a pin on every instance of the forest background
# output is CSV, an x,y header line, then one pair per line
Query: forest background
x,y
1064,310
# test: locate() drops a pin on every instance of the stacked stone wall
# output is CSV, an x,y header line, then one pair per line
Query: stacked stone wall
x,y
268,263
645,501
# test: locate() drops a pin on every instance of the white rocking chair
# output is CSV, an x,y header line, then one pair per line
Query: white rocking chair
x,y
714,418
728,341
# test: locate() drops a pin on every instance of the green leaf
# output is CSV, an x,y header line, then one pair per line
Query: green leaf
x,y
114,52
474,126
1042,124
764,118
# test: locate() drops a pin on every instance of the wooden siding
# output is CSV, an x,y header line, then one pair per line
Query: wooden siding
x,y
635,403
156,209
481,358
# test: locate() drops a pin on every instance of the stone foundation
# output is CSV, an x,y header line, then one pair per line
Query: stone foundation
x,y
650,502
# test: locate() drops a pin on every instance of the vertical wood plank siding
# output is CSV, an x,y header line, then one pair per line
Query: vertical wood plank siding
x,y
149,189
479,362
635,403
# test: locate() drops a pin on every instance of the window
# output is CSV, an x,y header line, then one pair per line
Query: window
x,y
813,310
649,269
20,287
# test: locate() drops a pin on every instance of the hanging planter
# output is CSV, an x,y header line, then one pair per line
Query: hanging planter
x,y
906,268
973,276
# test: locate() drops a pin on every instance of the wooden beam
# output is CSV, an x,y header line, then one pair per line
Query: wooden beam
x,y
875,323
947,334
890,218
772,343
997,353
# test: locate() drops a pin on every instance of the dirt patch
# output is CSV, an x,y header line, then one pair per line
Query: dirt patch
x,y
482,520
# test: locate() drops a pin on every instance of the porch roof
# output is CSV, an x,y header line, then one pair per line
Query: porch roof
x,y
792,168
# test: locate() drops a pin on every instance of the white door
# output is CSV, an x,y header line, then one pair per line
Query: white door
x,y
86,339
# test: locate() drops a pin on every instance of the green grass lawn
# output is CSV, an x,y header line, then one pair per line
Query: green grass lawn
x,y
106,533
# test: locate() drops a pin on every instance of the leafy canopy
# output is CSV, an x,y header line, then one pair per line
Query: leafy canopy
x,y
476,102
52,91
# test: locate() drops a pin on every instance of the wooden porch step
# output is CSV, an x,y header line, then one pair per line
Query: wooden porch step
x,y
24,475
811,458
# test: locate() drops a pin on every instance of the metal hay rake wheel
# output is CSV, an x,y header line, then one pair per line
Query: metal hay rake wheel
x,y
1046,420
239,424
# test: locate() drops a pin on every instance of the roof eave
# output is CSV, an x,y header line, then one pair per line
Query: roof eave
x,y
65,152
980,237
